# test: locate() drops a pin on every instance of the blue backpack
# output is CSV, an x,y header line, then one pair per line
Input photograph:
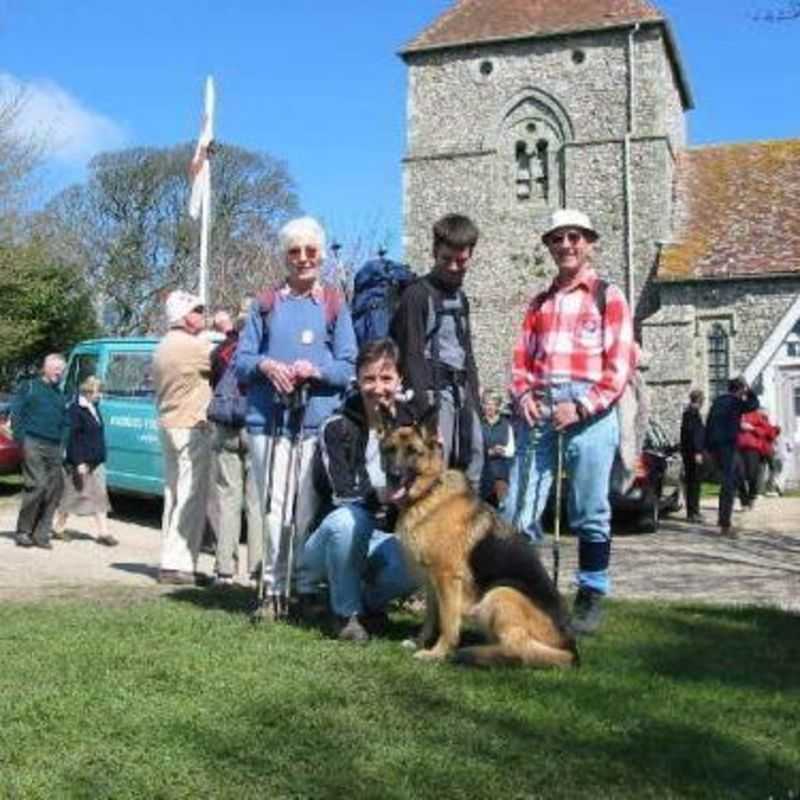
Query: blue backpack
x,y
376,293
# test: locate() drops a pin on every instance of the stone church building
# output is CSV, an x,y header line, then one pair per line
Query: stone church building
x,y
518,107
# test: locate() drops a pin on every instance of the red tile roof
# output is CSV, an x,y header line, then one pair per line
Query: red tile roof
x,y
738,212
471,21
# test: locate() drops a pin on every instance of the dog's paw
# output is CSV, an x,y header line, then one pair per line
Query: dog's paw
x,y
430,655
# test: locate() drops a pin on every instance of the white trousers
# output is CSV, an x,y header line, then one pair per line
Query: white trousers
x,y
281,493
187,458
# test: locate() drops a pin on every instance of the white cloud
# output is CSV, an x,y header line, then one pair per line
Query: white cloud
x,y
69,132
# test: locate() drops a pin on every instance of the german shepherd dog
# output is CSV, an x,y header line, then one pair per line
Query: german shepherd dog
x,y
476,566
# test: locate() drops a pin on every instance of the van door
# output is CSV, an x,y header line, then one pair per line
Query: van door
x,y
134,462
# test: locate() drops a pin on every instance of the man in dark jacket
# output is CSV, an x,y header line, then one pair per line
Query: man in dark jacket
x,y
39,420
432,329
722,428
351,549
693,435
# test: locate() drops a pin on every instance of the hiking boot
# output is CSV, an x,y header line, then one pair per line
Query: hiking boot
x,y
175,577
696,519
265,611
107,540
24,540
308,608
63,536
729,532
587,612
376,622
352,630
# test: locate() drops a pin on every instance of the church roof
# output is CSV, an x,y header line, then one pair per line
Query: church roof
x,y
472,21
738,211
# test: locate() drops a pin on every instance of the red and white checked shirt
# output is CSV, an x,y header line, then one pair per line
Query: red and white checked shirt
x,y
565,339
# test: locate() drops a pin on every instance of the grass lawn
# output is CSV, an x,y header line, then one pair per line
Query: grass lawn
x,y
180,697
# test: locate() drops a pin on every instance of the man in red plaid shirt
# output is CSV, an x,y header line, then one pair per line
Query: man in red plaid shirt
x,y
570,365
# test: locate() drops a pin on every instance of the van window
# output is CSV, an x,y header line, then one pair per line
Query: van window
x,y
83,366
129,374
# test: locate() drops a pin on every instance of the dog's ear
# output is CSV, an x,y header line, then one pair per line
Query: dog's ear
x,y
428,423
387,422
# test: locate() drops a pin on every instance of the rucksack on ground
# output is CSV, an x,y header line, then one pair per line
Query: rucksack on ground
x,y
376,293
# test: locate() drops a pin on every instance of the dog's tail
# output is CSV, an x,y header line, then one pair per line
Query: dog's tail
x,y
528,653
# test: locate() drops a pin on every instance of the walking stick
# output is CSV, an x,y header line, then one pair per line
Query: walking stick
x,y
294,467
557,525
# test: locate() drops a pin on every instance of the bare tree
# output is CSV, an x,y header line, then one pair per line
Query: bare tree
x,y
19,157
129,229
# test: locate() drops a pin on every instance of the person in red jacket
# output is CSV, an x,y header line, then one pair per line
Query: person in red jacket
x,y
754,444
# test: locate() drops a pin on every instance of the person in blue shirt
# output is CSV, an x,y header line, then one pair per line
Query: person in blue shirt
x,y
296,355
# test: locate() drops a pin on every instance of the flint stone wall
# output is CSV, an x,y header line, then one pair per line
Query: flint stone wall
x,y
456,114
676,338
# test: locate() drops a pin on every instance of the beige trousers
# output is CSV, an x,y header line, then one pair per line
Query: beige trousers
x,y
278,524
187,458
234,487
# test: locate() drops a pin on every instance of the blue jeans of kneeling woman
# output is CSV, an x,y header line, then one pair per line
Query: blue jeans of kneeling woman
x,y
365,568
588,455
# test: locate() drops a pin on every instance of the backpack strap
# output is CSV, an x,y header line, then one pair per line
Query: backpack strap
x,y
332,302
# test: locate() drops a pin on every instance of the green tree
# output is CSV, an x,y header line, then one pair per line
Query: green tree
x,y
46,307
129,228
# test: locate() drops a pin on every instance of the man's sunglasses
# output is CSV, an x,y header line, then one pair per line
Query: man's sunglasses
x,y
573,237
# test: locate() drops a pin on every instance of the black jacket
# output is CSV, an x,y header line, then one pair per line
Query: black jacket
x,y
341,468
722,425
86,442
693,432
410,330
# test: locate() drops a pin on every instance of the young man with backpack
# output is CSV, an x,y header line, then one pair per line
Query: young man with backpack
x,y
432,329
571,363
296,354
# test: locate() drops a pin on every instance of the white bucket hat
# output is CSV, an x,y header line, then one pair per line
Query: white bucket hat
x,y
179,304
570,218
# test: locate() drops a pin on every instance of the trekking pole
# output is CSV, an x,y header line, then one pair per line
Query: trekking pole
x,y
557,524
294,468
266,507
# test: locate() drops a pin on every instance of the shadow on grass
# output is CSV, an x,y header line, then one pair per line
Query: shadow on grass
x,y
737,647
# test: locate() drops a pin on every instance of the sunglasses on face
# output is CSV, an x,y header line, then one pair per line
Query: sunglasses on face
x,y
309,252
573,237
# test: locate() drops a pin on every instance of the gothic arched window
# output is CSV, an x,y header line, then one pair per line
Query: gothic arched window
x,y
718,360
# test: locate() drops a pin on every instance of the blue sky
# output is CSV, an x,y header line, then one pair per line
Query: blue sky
x,y
319,84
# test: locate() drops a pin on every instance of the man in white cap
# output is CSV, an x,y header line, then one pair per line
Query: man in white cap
x,y
570,365
181,370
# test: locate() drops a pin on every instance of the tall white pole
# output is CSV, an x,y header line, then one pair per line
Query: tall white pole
x,y
200,199
205,223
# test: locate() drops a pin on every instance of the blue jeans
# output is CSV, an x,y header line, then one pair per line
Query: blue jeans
x,y
365,568
588,455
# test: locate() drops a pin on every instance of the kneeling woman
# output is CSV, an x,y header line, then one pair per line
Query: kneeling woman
x,y
363,564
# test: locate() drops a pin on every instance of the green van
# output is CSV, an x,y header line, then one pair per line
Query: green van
x,y
134,461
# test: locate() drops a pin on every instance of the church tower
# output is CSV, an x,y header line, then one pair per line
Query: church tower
x,y
518,107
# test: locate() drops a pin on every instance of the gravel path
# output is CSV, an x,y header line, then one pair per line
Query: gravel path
x,y
681,562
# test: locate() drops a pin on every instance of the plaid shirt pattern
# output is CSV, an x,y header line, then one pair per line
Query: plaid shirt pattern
x,y
564,338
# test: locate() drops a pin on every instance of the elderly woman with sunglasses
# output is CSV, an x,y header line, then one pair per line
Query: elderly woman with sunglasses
x,y
296,355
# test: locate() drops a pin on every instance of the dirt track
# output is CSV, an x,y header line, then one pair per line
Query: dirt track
x,y
681,562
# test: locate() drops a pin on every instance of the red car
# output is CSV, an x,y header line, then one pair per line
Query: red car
x,y
10,450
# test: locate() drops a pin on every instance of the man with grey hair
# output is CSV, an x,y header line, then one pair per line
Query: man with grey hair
x,y
181,370
38,420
